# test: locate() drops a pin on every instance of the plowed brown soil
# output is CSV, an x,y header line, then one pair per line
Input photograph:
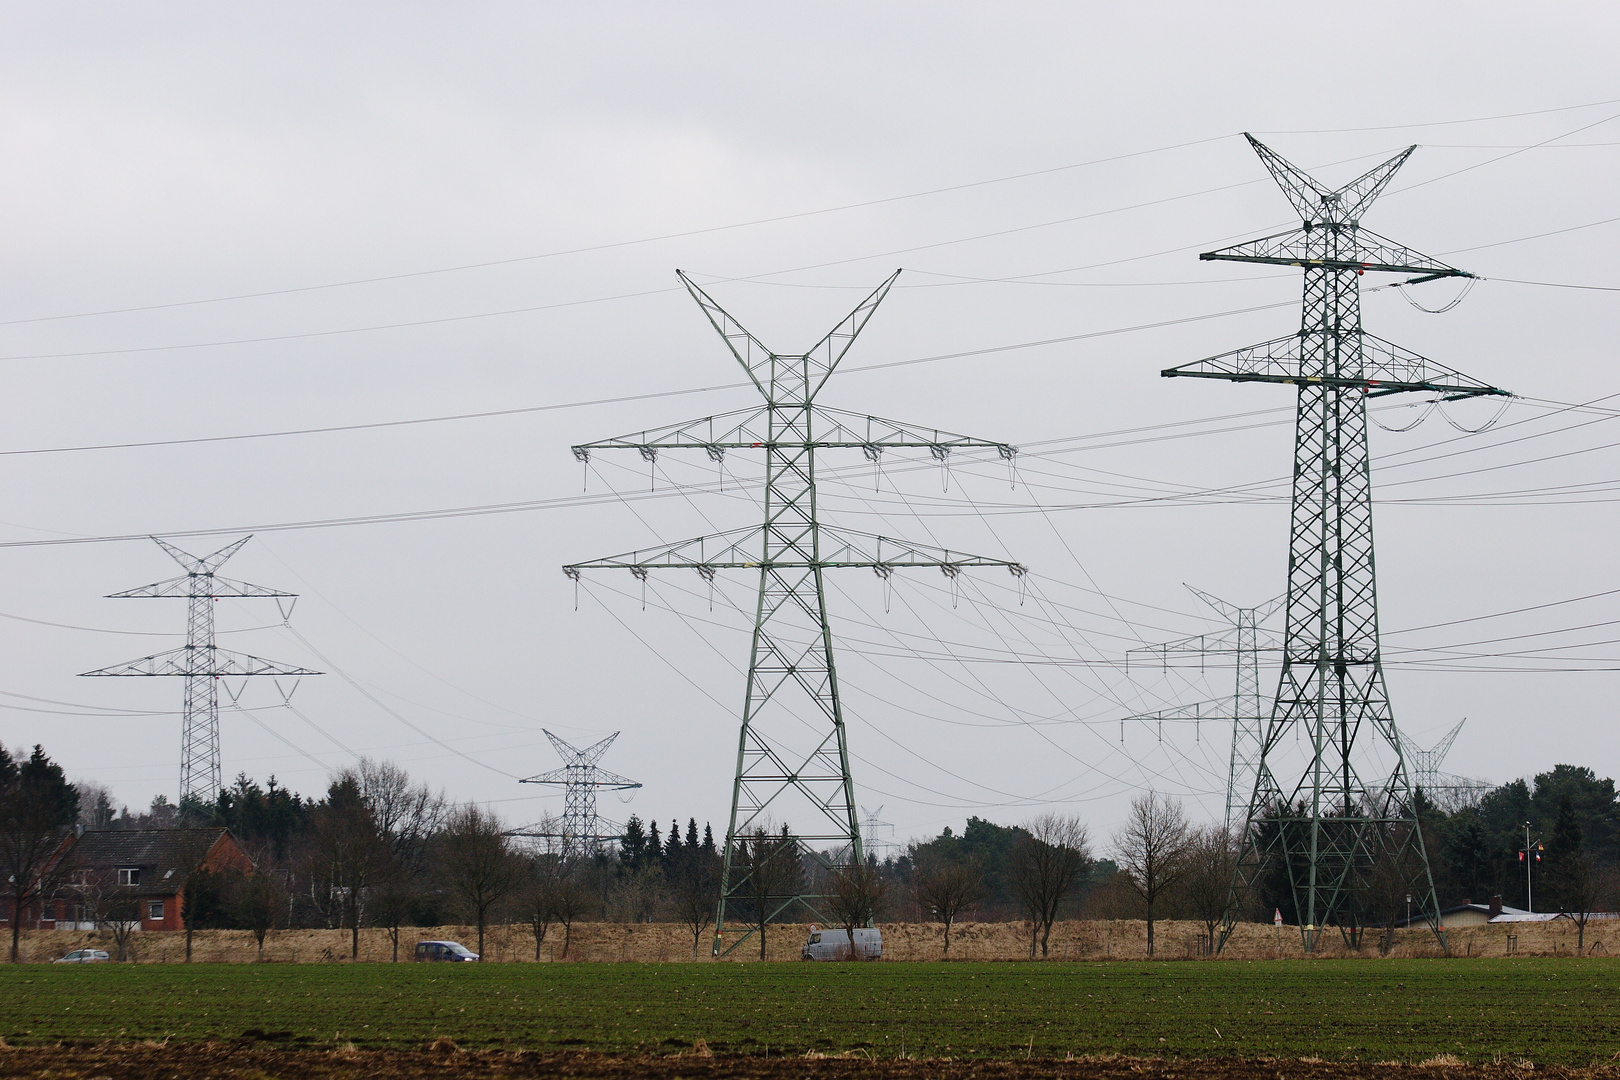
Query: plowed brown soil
x,y
151,1061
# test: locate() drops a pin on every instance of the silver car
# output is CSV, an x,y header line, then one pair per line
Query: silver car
x,y
83,956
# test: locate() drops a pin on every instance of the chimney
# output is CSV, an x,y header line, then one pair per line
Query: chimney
x,y
1496,906
1467,902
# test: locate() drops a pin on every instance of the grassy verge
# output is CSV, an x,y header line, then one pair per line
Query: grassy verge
x,y
1550,1011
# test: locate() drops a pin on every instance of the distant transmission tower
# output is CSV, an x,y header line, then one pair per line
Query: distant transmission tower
x,y
200,663
876,834
1426,763
581,779
791,754
1331,826
1244,709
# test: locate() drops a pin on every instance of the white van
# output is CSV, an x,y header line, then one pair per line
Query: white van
x,y
834,945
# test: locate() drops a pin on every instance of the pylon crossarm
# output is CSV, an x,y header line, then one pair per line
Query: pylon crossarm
x,y
744,427
599,778
205,661
1385,369
1199,710
1357,249
741,549
194,585
749,429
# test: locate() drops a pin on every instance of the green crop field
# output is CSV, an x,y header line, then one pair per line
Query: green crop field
x,y
1553,1011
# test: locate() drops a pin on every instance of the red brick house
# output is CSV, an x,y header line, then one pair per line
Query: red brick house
x,y
100,867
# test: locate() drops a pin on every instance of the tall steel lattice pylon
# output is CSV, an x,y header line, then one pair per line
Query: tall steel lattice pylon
x,y
581,779
1244,711
792,757
200,663
1426,763
1331,828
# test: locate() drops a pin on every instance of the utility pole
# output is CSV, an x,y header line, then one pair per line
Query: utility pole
x,y
1329,826
792,753
581,779
1245,711
1529,856
200,663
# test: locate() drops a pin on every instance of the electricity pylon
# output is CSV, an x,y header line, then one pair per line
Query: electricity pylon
x,y
581,779
1426,772
1330,827
200,663
876,835
1243,710
1426,763
791,752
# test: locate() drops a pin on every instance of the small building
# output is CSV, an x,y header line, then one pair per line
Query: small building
x,y
102,868
1471,914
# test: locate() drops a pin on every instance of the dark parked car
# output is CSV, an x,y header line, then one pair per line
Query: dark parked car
x,y
452,951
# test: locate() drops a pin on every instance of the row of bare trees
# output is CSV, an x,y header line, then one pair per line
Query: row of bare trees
x,y
1157,857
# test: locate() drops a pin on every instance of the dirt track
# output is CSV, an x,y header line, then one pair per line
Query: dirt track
x,y
151,1061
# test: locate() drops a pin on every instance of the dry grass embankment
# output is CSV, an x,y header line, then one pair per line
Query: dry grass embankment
x,y
1114,939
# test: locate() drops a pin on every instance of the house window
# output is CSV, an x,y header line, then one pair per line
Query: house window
x,y
154,909
129,875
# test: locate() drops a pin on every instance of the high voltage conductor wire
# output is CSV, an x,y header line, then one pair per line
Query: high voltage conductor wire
x,y
754,277
527,505
312,590
782,217
1017,719
1103,690
369,696
588,403
622,243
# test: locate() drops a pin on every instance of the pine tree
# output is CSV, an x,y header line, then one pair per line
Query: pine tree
x,y
708,839
691,834
674,853
655,846
632,845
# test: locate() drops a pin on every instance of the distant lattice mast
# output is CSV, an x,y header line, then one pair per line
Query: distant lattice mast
x,y
200,662
1245,711
581,778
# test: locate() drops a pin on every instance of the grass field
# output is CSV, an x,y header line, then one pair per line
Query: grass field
x,y
1549,1011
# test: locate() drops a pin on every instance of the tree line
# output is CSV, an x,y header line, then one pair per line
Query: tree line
x,y
382,850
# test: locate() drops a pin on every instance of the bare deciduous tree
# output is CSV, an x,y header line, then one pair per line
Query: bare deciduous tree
x,y
855,893
1389,885
406,814
258,899
478,864
1047,862
1151,849
766,872
1211,860
944,888
697,890
348,854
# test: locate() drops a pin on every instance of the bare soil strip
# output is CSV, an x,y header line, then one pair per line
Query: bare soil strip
x,y
442,1061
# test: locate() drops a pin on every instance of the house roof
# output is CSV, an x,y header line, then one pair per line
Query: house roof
x,y
165,857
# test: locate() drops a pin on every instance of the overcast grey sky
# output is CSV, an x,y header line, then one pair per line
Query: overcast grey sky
x,y
236,219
